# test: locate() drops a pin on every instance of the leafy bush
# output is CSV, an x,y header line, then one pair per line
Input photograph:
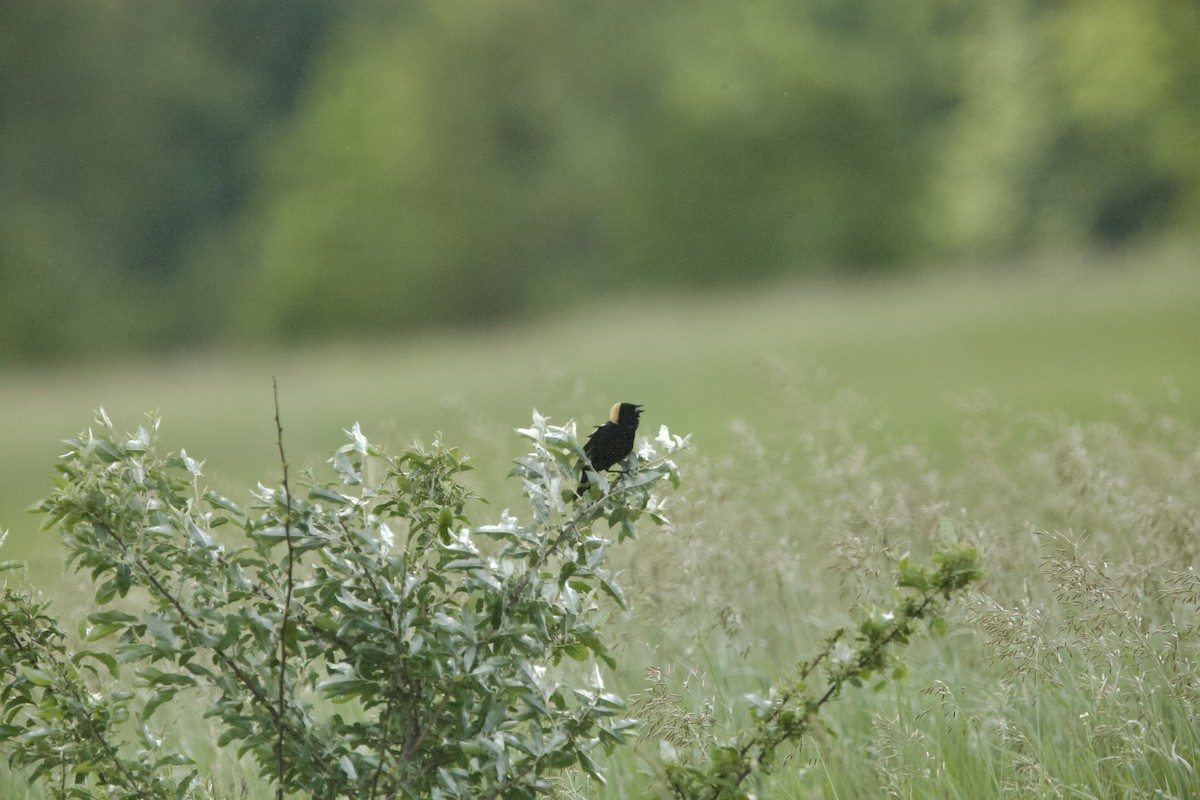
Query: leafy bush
x,y
361,639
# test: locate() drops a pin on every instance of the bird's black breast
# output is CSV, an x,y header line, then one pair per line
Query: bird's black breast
x,y
608,444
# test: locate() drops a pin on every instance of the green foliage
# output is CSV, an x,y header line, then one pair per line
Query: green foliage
x,y
471,164
484,163
362,639
1051,141
130,135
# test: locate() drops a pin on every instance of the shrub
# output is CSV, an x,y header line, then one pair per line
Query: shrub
x,y
355,638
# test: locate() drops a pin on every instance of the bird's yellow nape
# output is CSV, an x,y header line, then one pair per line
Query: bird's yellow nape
x,y
616,411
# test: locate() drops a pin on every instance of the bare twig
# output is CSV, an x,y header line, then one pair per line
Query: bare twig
x,y
287,598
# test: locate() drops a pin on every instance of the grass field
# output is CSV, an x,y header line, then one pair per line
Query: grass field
x,y
1062,338
1074,670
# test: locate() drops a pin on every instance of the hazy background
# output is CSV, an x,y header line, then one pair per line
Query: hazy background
x,y
176,175
437,216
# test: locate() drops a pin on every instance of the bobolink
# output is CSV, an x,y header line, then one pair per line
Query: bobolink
x,y
610,442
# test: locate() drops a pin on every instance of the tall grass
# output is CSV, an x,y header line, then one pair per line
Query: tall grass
x,y
1074,671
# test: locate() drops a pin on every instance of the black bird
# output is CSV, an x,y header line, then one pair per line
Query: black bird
x,y
610,442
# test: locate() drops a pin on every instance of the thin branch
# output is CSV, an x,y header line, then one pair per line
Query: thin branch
x,y
13,636
287,598
766,744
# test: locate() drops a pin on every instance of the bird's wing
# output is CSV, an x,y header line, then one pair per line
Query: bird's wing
x,y
589,447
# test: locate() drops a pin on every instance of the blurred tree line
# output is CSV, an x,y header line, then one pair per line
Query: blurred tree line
x,y
182,173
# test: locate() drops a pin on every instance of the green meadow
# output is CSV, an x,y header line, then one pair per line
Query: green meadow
x,y
1047,411
1066,338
